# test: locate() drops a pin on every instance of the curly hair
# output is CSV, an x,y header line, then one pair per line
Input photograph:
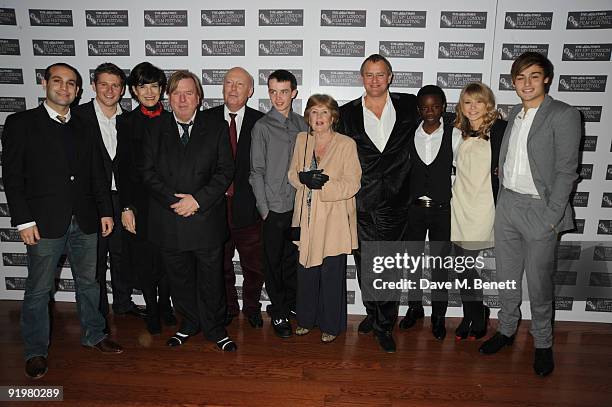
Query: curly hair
x,y
481,93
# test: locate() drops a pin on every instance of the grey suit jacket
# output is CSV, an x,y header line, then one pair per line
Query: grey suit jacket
x,y
552,147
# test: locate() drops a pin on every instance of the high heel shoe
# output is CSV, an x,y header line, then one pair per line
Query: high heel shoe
x,y
478,334
463,330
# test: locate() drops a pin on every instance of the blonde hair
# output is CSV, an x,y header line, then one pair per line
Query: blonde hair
x,y
481,93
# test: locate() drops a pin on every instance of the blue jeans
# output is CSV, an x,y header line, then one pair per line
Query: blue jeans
x,y
42,265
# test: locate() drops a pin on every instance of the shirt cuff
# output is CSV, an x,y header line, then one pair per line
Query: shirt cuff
x,y
25,226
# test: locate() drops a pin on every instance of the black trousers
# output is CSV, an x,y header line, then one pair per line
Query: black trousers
x,y
383,224
280,264
471,298
110,248
198,290
321,295
437,222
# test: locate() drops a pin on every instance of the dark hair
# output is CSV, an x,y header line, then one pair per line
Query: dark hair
x,y
178,76
431,90
109,68
145,73
376,58
323,100
79,79
527,59
282,75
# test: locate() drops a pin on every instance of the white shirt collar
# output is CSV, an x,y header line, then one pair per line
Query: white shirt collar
x,y
100,113
190,120
53,114
240,112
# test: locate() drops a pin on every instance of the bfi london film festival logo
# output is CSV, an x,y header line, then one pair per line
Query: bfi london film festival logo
x,y
11,76
580,199
582,83
7,16
9,46
165,18
341,48
457,80
590,114
528,20
404,79
106,18
119,48
264,105
602,253
336,77
586,52
579,226
14,259
53,47
289,48
4,209
599,279
585,171
220,18
273,17
512,51
164,48
10,235
208,103
604,227
463,19
91,73
263,74
588,143
50,18
213,76
606,200
10,104
403,18
504,110
228,48
609,172
598,304
401,49
343,18
505,82
589,20
461,50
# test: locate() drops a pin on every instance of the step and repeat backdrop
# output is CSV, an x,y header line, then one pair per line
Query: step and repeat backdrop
x,y
444,42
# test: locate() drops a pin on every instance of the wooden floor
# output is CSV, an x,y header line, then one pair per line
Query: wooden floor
x,y
301,371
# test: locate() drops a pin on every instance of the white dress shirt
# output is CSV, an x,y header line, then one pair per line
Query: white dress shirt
x,y
379,130
180,128
108,129
239,117
516,170
53,115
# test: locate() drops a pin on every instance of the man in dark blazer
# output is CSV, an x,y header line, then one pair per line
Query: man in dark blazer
x,y
537,170
58,198
101,115
243,219
380,122
188,167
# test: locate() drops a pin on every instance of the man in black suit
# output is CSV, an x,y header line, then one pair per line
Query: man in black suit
x,y
380,122
101,115
187,167
58,198
242,216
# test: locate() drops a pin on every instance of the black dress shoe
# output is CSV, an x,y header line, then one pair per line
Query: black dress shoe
x,y
438,327
177,340
365,326
136,311
169,318
255,320
282,327
227,345
495,343
412,315
463,330
476,334
108,346
36,367
543,363
385,340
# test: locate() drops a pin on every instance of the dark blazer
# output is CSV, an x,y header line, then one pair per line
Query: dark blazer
x,y
132,127
244,208
38,182
496,135
204,169
384,180
87,113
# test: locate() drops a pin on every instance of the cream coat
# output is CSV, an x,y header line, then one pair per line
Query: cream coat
x,y
333,223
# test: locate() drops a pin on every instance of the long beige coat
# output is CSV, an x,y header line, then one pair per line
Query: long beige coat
x,y
333,224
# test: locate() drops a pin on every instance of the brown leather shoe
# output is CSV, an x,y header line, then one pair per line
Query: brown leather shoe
x,y
36,367
108,346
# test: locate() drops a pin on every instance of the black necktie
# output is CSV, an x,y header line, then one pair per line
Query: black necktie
x,y
185,136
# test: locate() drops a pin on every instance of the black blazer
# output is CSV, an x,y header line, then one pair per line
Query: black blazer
x,y
204,169
244,208
496,135
132,127
37,177
384,179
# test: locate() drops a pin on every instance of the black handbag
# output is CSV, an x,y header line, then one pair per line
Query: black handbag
x,y
294,232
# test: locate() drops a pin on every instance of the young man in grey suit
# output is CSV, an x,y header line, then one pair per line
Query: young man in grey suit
x,y
537,171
